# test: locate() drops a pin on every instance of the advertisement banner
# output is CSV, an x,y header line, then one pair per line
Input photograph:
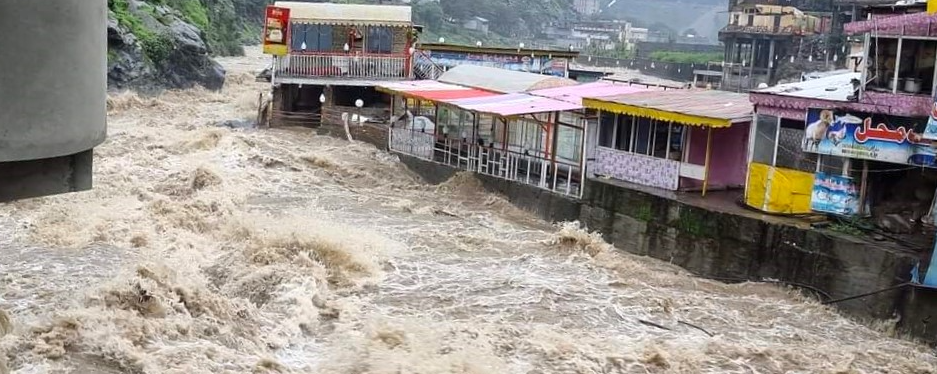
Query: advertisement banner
x,y
276,31
930,132
835,194
866,136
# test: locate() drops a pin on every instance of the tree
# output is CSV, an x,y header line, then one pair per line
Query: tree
x,y
429,14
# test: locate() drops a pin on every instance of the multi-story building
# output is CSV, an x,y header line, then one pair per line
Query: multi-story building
x,y
587,7
767,41
337,54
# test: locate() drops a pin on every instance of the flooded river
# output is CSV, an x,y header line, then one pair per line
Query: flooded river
x,y
204,249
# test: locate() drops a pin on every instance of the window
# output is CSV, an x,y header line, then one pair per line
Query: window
x,y
642,141
316,38
676,142
766,133
568,141
607,130
380,40
625,128
661,130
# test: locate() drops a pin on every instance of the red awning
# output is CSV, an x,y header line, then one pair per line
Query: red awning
x,y
432,90
443,95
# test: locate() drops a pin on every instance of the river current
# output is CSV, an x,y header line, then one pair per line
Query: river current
x,y
203,249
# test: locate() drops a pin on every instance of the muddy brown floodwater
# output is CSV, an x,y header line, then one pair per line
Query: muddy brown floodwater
x,y
203,249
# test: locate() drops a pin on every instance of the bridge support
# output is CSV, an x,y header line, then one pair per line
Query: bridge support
x,y
53,95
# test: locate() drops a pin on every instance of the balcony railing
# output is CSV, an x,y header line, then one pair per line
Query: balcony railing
x,y
343,66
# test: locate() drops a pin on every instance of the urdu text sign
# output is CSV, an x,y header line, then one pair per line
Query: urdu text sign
x,y
276,31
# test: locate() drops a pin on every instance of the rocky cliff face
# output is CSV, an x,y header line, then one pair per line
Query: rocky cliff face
x,y
169,43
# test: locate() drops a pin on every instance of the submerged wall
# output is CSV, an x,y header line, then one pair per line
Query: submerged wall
x,y
53,97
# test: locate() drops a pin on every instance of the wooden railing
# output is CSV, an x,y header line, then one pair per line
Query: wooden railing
x,y
394,66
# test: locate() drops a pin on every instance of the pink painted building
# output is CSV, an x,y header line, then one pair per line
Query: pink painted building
x,y
674,140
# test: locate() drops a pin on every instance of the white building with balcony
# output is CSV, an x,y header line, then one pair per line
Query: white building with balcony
x,y
337,54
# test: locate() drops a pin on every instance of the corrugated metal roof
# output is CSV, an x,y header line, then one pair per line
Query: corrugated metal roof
x,y
514,104
501,80
574,94
432,90
691,107
835,88
348,14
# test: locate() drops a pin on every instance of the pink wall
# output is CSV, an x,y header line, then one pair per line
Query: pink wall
x,y
729,155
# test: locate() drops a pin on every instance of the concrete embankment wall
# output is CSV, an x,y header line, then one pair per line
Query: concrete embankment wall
x,y
728,246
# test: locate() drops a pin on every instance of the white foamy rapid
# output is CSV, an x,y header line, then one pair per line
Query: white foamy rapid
x,y
210,250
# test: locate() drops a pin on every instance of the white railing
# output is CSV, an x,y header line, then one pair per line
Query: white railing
x,y
556,176
343,65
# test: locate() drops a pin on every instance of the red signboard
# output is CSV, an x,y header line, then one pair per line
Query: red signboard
x,y
277,31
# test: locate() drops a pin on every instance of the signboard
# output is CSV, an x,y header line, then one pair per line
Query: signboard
x,y
540,64
835,194
866,136
931,6
276,31
930,132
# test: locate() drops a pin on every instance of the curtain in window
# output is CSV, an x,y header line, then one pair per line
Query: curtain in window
x,y
317,38
380,40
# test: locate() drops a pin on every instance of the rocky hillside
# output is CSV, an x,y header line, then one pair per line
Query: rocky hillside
x,y
169,43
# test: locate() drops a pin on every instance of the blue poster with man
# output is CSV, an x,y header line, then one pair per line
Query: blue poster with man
x,y
876,137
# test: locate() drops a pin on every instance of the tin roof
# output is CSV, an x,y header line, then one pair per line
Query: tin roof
x,y
514,104
835,87
707,108
431,90
574,94
501,80
348,14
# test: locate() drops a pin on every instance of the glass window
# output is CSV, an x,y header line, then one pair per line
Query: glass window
x,y
660,139
766,132
298,36
380,40
642,141
607,130
569,140
676,142
316,38
625,127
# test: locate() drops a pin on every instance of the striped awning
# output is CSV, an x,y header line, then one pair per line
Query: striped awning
x,y
707,108
431,90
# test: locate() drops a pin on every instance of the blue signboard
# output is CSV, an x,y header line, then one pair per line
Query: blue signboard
x,y
538,64
835,194
874,137
931,131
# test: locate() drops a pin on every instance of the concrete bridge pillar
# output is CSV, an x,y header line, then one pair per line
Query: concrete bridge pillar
x,y
53,92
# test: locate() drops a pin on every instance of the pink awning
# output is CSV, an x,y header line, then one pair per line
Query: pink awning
x,y
432,90
574,94
905,24
514,104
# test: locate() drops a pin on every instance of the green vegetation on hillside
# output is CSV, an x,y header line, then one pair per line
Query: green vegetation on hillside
x,y
686,57
225,24
155,45
508,20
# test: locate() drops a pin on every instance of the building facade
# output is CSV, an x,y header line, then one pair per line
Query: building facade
x,y
337,54
587,7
